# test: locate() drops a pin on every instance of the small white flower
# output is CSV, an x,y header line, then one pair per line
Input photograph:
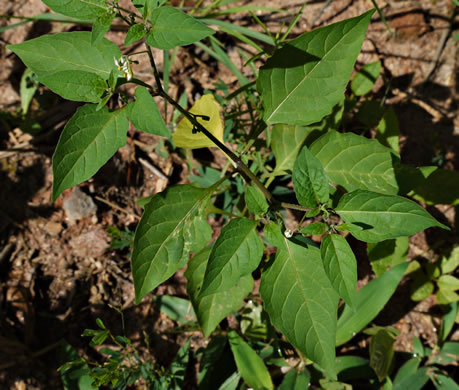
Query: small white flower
x,y
288,233
124,65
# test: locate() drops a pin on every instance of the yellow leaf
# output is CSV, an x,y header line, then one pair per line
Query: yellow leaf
x,y
183,135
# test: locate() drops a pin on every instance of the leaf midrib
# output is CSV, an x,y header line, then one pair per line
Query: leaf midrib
x,y
176,229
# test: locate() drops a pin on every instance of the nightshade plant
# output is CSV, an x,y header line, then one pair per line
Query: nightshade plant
x,y
344,182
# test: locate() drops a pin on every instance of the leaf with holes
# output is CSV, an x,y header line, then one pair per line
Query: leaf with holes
x,y
50,54
355,162
213,308
172,27
88,140
340,265
236,253
302,303
383,216
305,79
160,245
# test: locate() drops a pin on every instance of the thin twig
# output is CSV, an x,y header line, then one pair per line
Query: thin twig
x,y
152,169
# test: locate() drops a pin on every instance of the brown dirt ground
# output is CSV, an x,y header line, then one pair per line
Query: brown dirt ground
x,y
57,273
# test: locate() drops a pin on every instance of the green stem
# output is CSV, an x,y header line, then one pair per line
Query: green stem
x,y
240,166
243,169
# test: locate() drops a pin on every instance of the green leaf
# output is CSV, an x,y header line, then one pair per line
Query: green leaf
x,y
50,54
134,34
446,296
286,142
385,254
315,228
88,140
301,302
443,382
295,380
340,266
198,234
81,9
415,381
255,200
160,244
448,282
213,308
274,235
355,162
351,367
422,287
449,264
441,186
76,85
448,320
178,367
311,71
348,227
249,364
309,180
405,371
382,353
144,114
176,308
388,131
101,25
368,302
383,216
172,27
365,79
236,253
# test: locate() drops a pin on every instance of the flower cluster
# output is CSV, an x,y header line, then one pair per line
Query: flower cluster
x,y
124,65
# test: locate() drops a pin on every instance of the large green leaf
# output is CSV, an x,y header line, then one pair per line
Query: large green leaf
x,y
160,243
383,216
236,253
303,80
301,302
355,162
144,114
368,302
213,308
77,85
88,140
81,9
286,142
172,27
309,179
340,265
68,51
249,364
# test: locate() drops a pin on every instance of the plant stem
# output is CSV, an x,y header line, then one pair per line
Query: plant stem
x,y
240,166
